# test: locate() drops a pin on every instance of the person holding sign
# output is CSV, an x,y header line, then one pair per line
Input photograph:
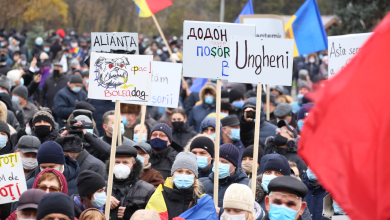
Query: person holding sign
x,y
27,205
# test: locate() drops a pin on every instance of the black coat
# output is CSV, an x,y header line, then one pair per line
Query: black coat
x,y
65,101
50,88
163,161
4,70
182,136
178,201
51,137
96,147
88,162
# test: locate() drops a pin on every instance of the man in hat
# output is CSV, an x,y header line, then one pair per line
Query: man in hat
x,y
236,100
108,126
28,204
149,175
284,112
43,126
231,133
21,94
28,148
203,148
130,114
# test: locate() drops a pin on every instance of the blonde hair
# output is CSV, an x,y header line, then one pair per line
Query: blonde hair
x,y
292,164
93,214
3,112
197,187
198,135
50,176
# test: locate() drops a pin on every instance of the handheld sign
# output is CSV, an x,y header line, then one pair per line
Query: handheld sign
x,y
107,41
207,47
341,50
120,77
255,60
267,26
165,84
12,180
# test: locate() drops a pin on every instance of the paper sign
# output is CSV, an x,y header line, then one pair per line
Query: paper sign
x,y
267,26
12,180
120,77
165,83
341,50
207,47
340,217
256,60
107,41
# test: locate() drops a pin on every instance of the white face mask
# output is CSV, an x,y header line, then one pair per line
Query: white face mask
x,y
29,163
121,171
226,216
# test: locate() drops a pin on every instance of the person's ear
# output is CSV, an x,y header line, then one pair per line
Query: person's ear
x,y
224,130
268,205
303,207
185,120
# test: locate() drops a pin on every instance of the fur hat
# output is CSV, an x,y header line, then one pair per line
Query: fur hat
x,y
129,108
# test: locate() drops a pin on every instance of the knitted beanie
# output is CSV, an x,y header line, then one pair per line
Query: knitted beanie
x,y
164,128
239,196
50,152
5,83
234,95
4,128
230,153
43,114
185,160
14,76
21,91
88,182
278,163
203,143
55,203
248,152
75,79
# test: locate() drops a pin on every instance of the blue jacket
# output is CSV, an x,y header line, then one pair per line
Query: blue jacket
x,y
208,184
198,113
64,103
314,197
240,147
101,107
70,173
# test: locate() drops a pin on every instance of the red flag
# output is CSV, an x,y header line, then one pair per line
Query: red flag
x,y
346,137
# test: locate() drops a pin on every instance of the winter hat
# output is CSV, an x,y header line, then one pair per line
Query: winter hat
x,y
89,212
130,109
248,152
126,151
88,182
74,62
55,203
21,91
4,128
185,160
204,143
282,110
272,98
231,120
75,79
224,96
85,73
142,214
145,147
14,76
43,114
57,64
84,105
278,163
164,128
249,94
239,196
70,143
50,152
304,111
43,56
30,199
282,123
288,183
230,153
5,83
23,57
234,95
39,40
77,70
28,144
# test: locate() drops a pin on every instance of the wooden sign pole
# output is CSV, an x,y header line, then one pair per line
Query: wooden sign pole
x,y
217,141
257,135
142,123
268,94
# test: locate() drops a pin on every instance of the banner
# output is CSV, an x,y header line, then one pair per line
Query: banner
x,y
107,41
267,26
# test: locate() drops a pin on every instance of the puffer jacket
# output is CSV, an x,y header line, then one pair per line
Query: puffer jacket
x,y
314,197
183,135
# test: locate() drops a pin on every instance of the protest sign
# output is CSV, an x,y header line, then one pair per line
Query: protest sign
x,y
165,85
107,41
120,77
340,217
267,26
207,47
341,50
12,180
255,60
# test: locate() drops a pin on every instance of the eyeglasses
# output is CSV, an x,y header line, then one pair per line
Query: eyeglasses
x,y
51,188
283,131
288,197
154,135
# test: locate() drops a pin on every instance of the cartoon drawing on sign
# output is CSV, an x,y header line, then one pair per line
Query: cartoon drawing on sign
x,y
112,73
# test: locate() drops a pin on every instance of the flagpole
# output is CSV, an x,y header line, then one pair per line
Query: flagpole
x,y
222,11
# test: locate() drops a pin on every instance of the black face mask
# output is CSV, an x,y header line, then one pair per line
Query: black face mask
x,y
279,140
177,125
42,130
56,72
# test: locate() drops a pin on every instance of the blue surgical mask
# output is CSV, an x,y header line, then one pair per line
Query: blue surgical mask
x,y
223,170
136,138
183,181
15,99
87,81
281,212
76,89
2,44
209,100
337,209
125,122
158,145
223,114
28,130
238,104
122,129
213,80
300,96
21,81
202,162
100,200
3,141
212,136
311,175
159,52
235,136
141,158
265,181
56,168
46,50
23,62
300,125
89,131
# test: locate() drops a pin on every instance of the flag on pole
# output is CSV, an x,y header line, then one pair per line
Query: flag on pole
x,y
307,30
147,8
247,10
345,140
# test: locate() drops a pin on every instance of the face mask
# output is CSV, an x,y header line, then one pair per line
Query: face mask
x,y
265,181
15,99
311,175
183,181
223,170
300,125
89,131
121,171
238,104
312,60
202,162
42,130
46,50
16,59
56,168
247,167
39,43
56,72
136,138
158,145
159,52
150,52
29,163
279,140
223,114
3,141
233,217
235,136
125,122
122,128
76,89
141,158
73,45
209,100
21,81
87,81
213,80
2,44
337,209
23,62
212,136
175,49
281,212
177,125
100,199
28,130
321,57
300,96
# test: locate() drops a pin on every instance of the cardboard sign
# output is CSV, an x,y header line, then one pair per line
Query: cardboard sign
x,y
207,47
120,77
267,26
165,83
12,180
107,41
256,60
341,50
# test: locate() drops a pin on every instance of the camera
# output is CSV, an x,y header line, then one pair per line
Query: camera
x,y
251,114
76,129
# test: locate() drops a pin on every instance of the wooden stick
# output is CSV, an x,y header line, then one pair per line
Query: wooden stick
x,y
141,129
256,144
268,113
119,128
112,159
217,140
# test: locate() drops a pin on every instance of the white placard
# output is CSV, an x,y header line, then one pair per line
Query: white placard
x,y
207,49
257,60
340,217
120,77
270,26
107,41
165,85
341,50
12,180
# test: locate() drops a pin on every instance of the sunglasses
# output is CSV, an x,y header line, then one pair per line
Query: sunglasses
x,y
51,188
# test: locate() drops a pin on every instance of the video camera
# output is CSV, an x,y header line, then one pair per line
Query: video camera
x,y
76,129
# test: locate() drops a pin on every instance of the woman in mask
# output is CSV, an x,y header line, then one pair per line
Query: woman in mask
x,y
247,160
44,126
145,133
179,192
181,132
91,187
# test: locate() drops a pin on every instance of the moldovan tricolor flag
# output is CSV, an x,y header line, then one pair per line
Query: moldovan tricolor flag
x,y
346,136
147,8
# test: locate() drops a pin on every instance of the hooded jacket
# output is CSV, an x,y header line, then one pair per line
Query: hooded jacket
x,y
71,171
199,112
61,177
210,122
50,88
183,135
314,197
313,68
